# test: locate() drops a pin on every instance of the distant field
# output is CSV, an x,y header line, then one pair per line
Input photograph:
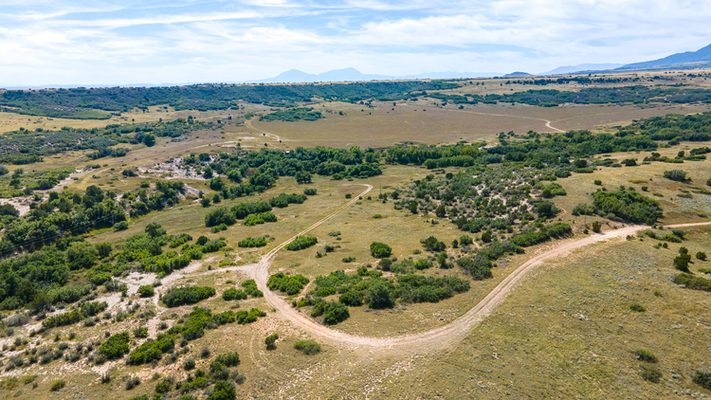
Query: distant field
x,y
382,126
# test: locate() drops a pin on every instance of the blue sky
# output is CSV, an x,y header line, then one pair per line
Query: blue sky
x,y
154,41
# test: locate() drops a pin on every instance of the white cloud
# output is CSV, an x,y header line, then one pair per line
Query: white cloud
x,y
155,41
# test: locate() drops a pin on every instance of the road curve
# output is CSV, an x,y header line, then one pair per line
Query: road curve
x,y
452,332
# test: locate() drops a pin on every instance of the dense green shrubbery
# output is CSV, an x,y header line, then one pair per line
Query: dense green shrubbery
x,y
301,242
645,355
74,316
627,205
146,291
152,350
250,286
380,250
432,244
285,283
703,379
115,346
677,175
293,114
187,295
307,346
333,312
693,282
253,242
234,294
531,237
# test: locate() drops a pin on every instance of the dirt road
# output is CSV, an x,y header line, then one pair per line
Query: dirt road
x,y
439,337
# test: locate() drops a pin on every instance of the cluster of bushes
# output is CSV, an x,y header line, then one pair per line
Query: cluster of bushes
x,y
115,346
627,205
283,200
286,283
250,287
74,316
333,312
307,346
531,237
252,213
152,350
693,282
301,242
187,295
258,219
253,242
380,250
234,294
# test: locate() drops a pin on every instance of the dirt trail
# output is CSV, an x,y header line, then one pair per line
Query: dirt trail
x,y
271,135
548,123
435,338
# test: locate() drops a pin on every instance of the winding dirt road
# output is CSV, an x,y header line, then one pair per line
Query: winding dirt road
x,y
435,338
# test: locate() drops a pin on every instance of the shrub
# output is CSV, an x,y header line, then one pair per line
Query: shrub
x,y
333,312
596,226
132,382
253,242
228,359
681,262
486,237
693,282
701,256
234,294
385,264
637,307
189,364
58,385
223,391
379,295
646,356
250,286
152,350
140,332
380,250
432,244
121,226
677,175
146,291
115,346
348,259
301,242
187,295
310,192
307,346
651,374
702,379
270,340
285,283
627,205
352,298
465,240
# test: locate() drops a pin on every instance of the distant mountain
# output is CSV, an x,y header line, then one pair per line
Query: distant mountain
x,y
581,68
352,74
517,74
688,59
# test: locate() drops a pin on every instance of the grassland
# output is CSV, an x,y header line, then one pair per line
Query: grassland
x,y
565,331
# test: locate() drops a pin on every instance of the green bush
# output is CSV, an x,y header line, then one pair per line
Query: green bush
x,y
285,283
702,379
270,340
352,298
152,350
307,346
681,262
677,175
465,240
189,364
637,307
115,346
627,205
379,295
253,242
187,295
646,356
432,244
234,294
253,219
301,242
310,192
58,385
333,312
596,226
146,291
651,374
228,359
701,256
140,332
380,250
693,282
250,286
223,391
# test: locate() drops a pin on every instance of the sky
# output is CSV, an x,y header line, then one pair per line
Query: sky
x,y
190,41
